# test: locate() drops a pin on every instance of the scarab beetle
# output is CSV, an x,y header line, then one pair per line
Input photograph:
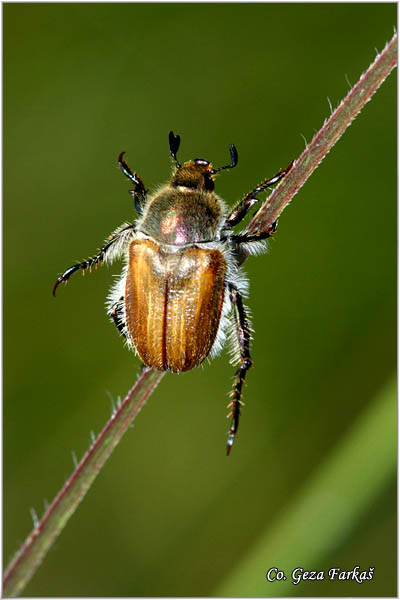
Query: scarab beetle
x,y
180,292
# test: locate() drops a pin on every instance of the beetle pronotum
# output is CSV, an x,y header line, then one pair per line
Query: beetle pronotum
x,y
180,292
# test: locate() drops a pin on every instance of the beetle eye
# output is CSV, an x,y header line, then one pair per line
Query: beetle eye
x,y
201,161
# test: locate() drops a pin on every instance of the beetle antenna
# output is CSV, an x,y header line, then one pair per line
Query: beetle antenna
x,y
234,159
174,142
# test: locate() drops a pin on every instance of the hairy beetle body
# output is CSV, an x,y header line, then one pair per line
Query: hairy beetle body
x,y
180,292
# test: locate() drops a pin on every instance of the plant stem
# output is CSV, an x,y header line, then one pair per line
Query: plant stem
x,y
63,506
31,554
326,138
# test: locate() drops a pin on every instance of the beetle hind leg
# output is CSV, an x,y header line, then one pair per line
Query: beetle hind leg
x,y
244,337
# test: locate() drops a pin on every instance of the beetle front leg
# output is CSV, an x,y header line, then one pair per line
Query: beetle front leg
x,y
139,192
109,251
245,238
244,337
241,209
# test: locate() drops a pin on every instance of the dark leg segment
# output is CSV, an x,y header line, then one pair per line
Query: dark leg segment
x,y
256,237
241,209
90,262
243,333
116,313
139,193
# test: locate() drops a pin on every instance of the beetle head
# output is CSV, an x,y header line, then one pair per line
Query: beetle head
x,y
197,174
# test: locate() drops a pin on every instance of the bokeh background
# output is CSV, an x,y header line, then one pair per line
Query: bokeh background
x,y
311,479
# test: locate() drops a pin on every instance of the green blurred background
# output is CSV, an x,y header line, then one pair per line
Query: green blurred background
x,y
311,479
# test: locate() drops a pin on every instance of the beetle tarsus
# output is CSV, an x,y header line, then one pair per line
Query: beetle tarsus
x,y
57,283
234,415
65,276
229,444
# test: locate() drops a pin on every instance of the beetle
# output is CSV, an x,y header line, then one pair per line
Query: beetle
x,y
180,294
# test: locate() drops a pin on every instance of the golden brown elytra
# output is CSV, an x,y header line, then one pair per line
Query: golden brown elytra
x,y
173,303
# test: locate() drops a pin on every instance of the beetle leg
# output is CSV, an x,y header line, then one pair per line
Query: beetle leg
x,y
241,209
109,251
244,238
139,192
116,312
244,336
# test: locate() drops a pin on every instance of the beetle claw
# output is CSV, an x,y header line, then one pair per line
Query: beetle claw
x,y
59,280
229,444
